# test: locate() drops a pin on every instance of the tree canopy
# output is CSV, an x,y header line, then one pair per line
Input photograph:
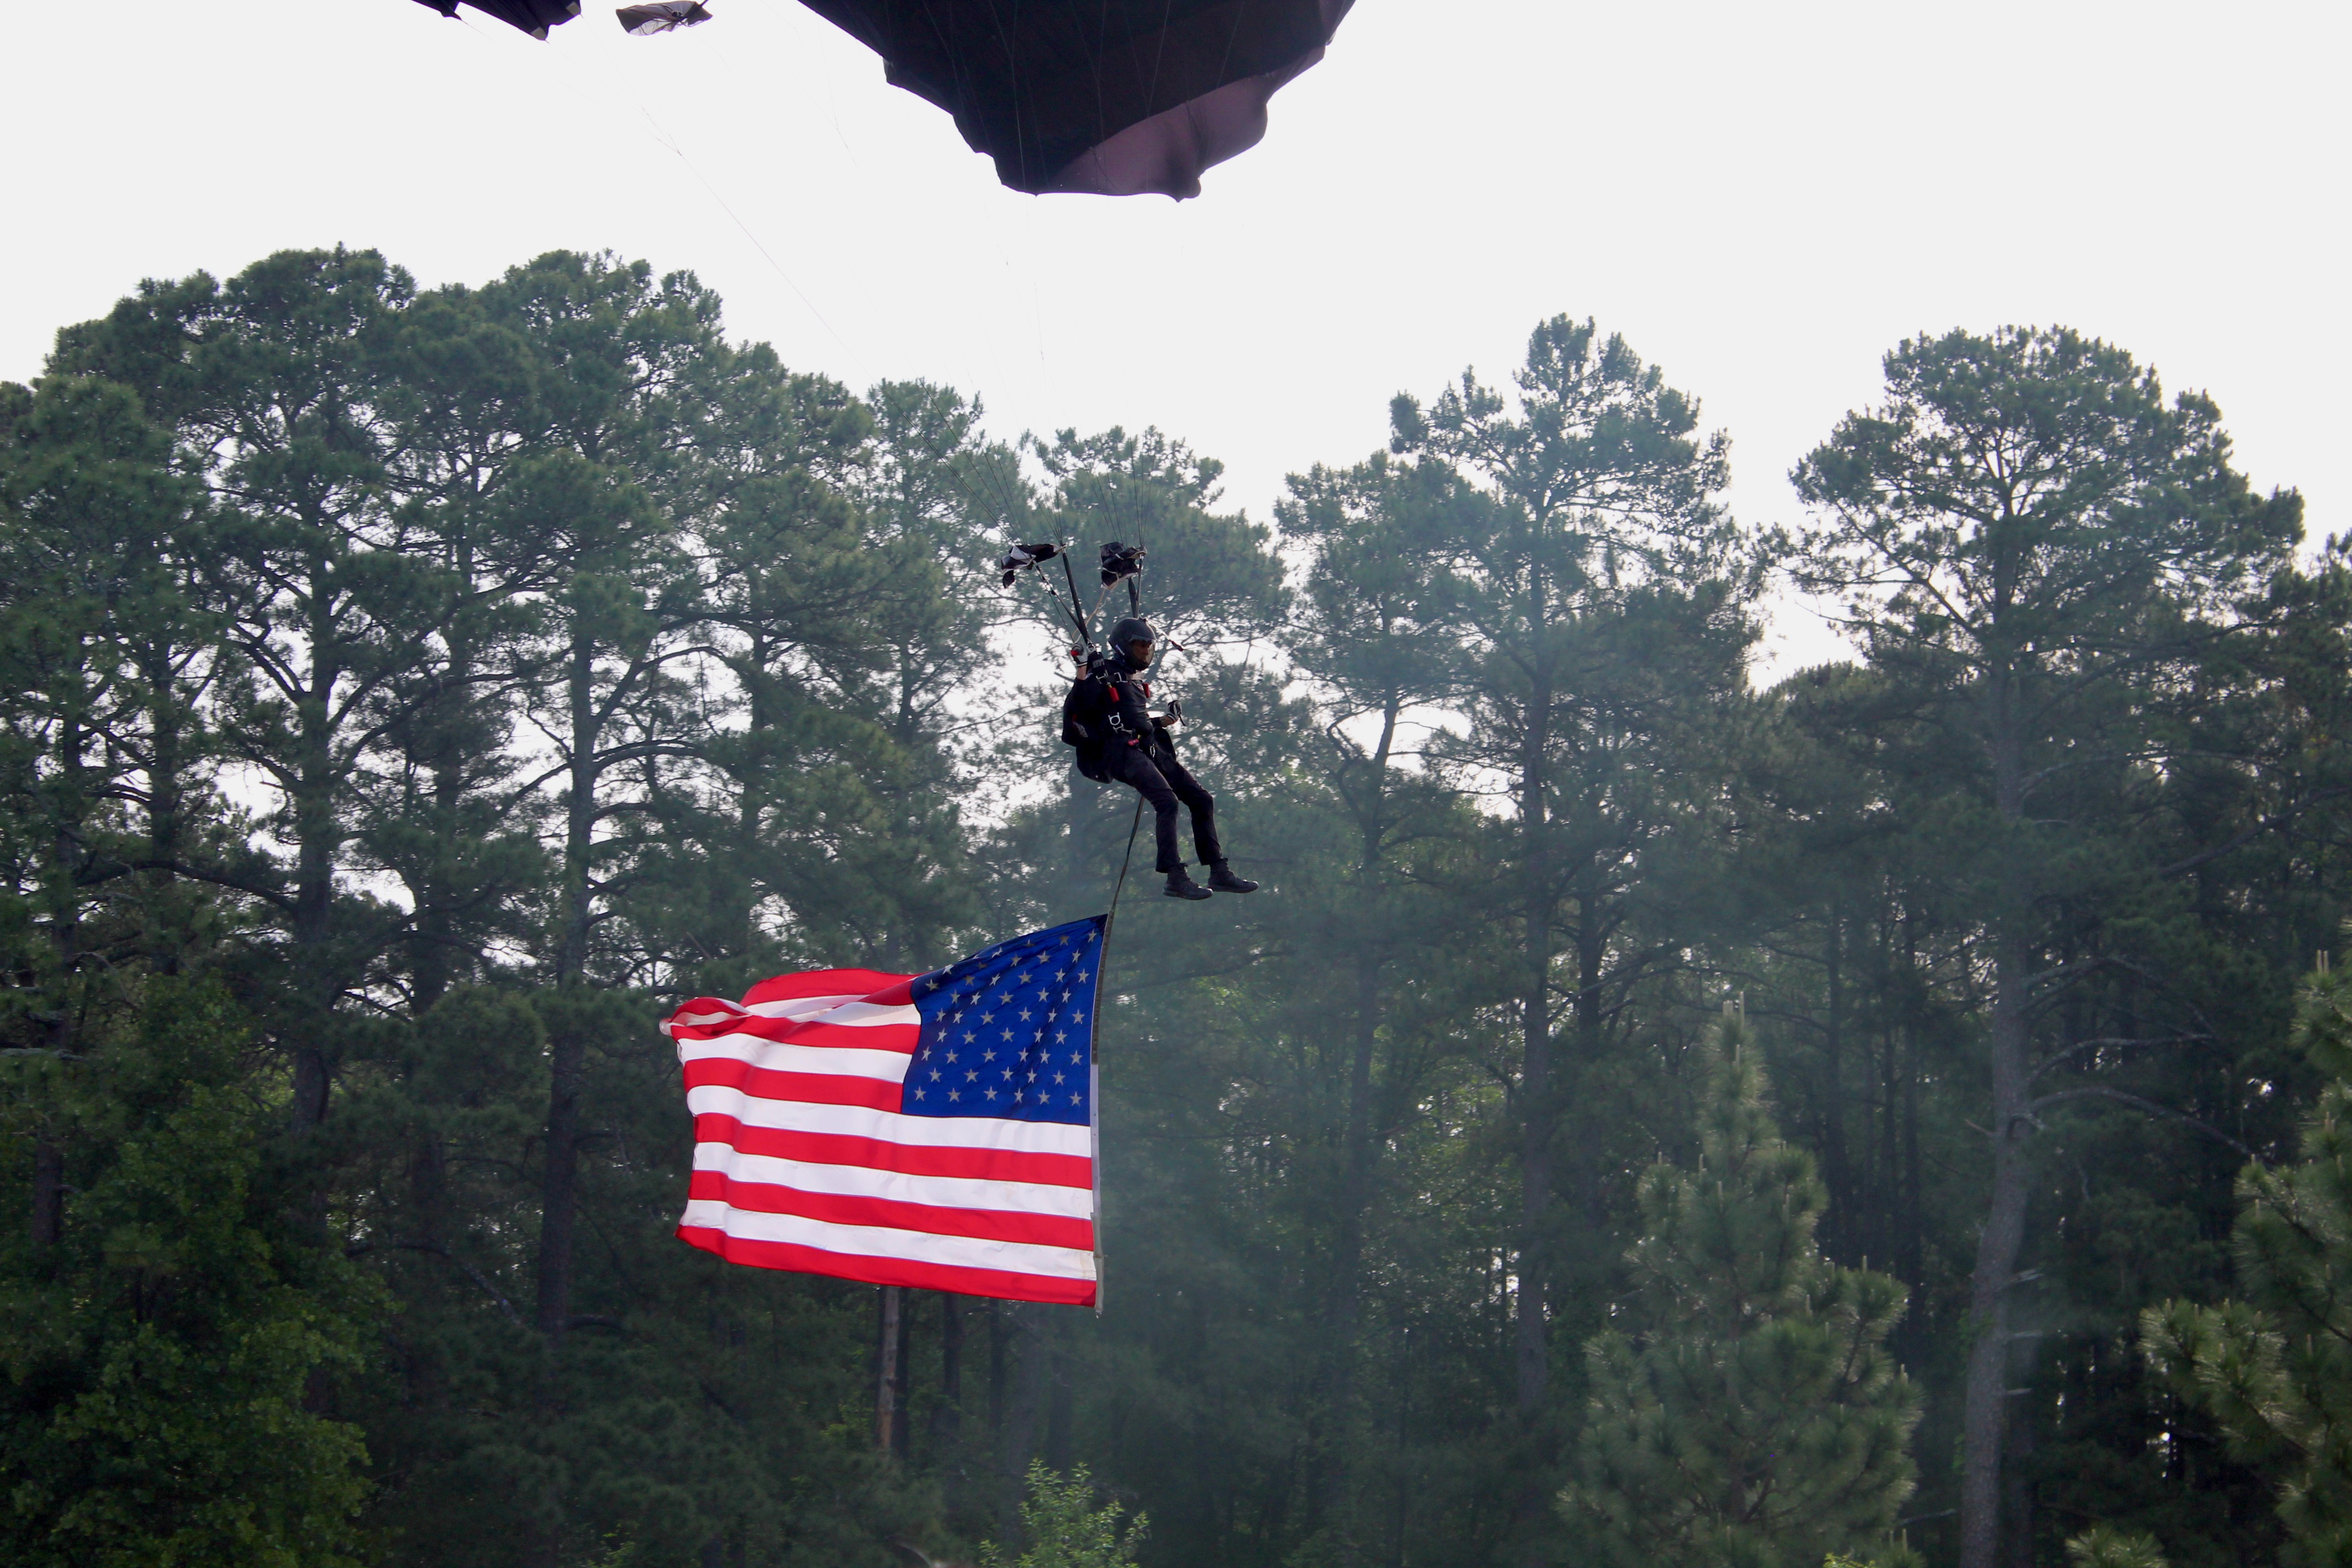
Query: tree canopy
x,y
414,692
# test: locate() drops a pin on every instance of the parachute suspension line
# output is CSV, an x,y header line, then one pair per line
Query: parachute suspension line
x,y
1071,609
614,89
1134,593
1120,887
756,244
1098,601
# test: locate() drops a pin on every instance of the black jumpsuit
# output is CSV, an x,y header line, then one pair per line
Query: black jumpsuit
x,y
1140,753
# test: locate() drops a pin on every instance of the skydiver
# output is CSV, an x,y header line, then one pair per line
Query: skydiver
x,y
1139,752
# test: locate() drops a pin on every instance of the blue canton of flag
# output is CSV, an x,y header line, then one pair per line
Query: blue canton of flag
x,y
1009,1031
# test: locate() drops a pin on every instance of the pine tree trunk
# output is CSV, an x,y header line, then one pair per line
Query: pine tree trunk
x,y
434,965
1837,1171
1983,1417
560,1182
314,857
1531,1360
1997,1247
49,1192
1531,1348
567,1044
1345,1314
1914,1218
1885,1181
166,792
888,1335
996,1335
1024,1408
1344,1318
1060,1411
902,1406
947,1415
65,938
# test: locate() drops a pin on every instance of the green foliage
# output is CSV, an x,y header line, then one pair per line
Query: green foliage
x,y
575,658
162,1358
1747,1412
2108,1547
2272,1367
1065,1528
2047,563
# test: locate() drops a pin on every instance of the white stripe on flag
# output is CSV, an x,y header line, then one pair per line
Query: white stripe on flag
x,y
778,1056
890,1127
855,1011
882,1241
864,1181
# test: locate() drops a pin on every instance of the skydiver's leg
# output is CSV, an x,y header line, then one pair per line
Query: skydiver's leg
x,y
1199,802
1203,807
1129,765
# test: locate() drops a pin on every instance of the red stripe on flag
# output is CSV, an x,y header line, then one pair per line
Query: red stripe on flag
x,y
900,1038
860,983
805,1088
908,1158
842,1208
996,1282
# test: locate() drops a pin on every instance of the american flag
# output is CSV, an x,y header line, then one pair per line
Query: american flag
x,y
935,1131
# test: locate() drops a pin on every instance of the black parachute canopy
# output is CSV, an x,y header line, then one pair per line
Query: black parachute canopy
x,y
533,16
1117,97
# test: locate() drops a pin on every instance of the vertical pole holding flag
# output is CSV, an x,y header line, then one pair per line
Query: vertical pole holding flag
x,y
1094,1051
1094,1150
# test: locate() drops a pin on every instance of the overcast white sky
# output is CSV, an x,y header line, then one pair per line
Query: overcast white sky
x,y
1761,197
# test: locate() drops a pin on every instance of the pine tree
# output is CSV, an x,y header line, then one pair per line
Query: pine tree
x,y
2274,1367
2104,1546
162,1365
1747,1413
2034,543
1064,1527
1601,619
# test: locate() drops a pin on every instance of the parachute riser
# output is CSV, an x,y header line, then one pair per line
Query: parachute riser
x,y
1119,564
1086,631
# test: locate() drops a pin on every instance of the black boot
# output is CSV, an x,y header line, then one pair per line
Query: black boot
x,y
1181,886
1221,877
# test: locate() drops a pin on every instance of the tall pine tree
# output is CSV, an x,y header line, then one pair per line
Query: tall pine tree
x,y
1747,1414
2274,1368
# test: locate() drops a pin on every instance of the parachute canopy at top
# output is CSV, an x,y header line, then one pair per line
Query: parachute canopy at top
x,y
533,16
1118,96
1115,96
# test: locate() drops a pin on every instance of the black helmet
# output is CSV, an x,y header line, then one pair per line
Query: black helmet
x,y
1134,628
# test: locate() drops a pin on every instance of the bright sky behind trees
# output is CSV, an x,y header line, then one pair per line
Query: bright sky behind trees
x,y
1763,199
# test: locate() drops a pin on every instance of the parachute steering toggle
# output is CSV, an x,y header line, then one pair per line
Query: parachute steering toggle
x,y
1123,562
1022,557
1029,558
